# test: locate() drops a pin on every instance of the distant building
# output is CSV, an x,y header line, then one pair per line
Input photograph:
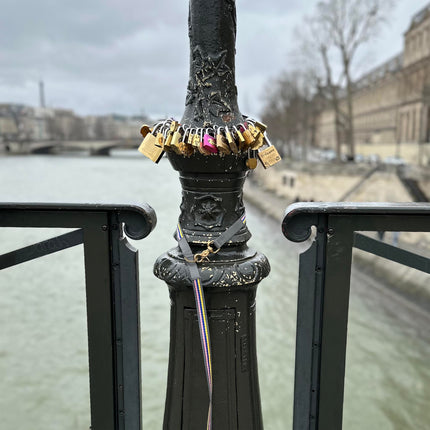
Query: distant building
x,y
42,118
113,126
64,125
8,126
128,127
18,122
391,103
25,123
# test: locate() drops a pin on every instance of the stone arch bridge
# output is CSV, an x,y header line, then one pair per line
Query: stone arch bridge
x,y
96,147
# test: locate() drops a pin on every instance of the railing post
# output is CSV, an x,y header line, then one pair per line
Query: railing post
x,y
323,296
211,203
112,292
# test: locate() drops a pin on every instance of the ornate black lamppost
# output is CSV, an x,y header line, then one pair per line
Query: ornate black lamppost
x,y
211,203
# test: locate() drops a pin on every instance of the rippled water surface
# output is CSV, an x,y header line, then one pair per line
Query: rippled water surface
x,y
43,344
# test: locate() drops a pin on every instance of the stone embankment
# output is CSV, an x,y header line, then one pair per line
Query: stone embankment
x,y
273,190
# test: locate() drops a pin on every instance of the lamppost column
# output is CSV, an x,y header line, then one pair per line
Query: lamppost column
x,y
212,190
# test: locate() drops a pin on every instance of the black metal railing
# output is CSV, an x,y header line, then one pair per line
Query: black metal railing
x,y
112,294
323,296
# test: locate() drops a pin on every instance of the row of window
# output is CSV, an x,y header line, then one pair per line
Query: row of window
x,y
411,123
417,44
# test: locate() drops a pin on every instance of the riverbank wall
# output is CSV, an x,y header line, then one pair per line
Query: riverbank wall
x,y
273,190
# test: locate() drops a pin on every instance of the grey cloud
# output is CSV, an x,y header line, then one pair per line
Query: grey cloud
x,y
108,55
100,56
28,23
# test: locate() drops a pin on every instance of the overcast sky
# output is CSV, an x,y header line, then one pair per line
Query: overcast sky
x,y
131,56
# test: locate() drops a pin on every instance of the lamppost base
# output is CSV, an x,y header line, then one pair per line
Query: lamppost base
x,y
230,290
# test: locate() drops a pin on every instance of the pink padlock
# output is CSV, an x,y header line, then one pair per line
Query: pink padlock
x,y
209,144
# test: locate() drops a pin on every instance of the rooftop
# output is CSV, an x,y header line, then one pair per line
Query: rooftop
x,y
419,17
391,66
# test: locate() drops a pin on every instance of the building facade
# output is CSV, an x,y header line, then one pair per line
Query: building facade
x,y
391,104
32,124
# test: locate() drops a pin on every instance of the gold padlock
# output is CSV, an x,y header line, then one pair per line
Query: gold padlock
x,y
268,156
176,138
262,127
251,162
150,149
249,138
222,144
160,139
258,136
259,142
185,149
231,142
196,140
173,127
148,138
240,139
168,140
190,139
254,131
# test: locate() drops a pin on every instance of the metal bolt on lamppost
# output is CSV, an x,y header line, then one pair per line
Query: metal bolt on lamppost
x,y
212,275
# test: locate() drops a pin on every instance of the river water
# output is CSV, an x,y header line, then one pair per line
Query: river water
x,y
43,350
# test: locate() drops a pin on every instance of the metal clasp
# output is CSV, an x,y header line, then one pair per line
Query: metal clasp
x,y
204,255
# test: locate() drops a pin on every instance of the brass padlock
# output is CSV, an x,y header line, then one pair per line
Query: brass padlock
x,y
253,130
150,149
222,144
190,139
249,138
185,149
240,139
160,139
256,133
173,127
258,136
251,162
196,139
262,127
176,139
231,142
268,156
168,140
259,142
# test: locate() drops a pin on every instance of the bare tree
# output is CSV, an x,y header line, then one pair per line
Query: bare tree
x,y
313,52
290,113
348,25
328,44
334,97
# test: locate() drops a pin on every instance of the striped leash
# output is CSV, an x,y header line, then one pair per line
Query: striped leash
x,y
202,316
